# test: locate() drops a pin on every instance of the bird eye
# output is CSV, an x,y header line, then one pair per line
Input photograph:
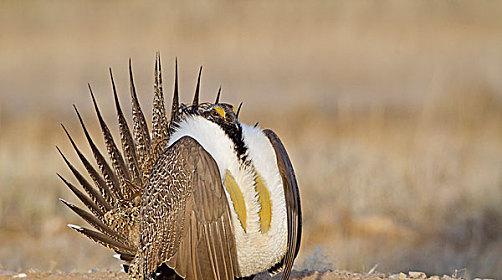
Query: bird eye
x,y
220,111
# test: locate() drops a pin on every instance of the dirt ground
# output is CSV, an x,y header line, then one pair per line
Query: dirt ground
x,y
308,275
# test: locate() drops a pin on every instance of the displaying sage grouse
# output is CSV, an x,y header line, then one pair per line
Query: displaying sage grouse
x,y
201,196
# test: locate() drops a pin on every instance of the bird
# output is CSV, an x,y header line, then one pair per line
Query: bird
x,y
200,195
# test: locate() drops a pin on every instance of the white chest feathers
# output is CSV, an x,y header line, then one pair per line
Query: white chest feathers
x,y
254,191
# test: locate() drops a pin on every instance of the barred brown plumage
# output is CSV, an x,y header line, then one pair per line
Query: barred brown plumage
x,y
163,206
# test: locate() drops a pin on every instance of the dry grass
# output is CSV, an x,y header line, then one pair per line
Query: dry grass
x,y
392,116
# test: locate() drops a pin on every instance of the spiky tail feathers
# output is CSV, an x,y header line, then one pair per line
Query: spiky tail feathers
x,y
113,198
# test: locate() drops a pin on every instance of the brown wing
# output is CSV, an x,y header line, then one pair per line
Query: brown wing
x,y
293,207
185,216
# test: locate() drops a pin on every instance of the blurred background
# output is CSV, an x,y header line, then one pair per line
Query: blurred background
x,y
390,110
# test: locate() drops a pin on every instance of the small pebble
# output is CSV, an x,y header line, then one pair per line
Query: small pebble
x,y
417,275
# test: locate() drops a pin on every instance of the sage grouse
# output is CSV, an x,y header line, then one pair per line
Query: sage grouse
x,y
201,196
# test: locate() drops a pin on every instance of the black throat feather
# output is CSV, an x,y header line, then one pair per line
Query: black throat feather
x,y
235,133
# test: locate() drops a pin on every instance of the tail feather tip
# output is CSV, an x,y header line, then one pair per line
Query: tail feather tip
x,y
75,227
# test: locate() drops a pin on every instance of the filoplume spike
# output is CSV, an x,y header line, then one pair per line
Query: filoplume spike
x,y
238,110
218,96
195,102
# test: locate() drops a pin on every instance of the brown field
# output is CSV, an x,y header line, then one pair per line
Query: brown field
x,y
391,112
